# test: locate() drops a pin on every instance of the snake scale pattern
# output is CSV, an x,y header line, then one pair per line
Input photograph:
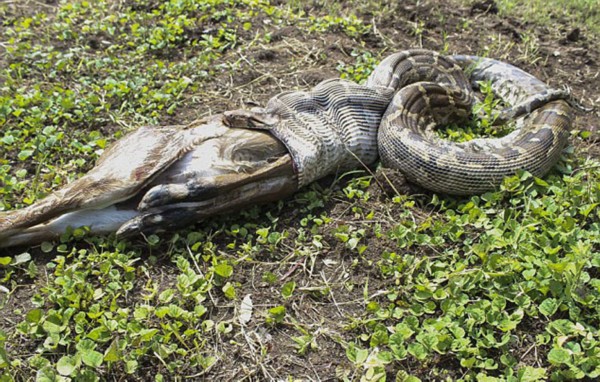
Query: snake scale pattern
x,y
341,125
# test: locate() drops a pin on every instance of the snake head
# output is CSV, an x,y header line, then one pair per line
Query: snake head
x,y
256,118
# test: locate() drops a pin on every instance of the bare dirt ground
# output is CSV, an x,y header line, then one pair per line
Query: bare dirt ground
x,y
561,55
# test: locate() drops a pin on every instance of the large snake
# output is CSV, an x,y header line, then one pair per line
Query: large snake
x,y
340,123
187,175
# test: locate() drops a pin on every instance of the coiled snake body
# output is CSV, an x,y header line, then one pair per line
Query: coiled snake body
x,y
340,123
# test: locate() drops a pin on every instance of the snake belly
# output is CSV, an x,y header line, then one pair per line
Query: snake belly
x,y
340,125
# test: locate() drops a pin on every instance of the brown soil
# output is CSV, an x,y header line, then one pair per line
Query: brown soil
x,y
563,56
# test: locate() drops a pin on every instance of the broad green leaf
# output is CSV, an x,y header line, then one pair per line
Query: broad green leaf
x,y
22,258
4,360
67,364
274,237
277,313
468,362
224,327
47,247
549,306
429,340
53,324
229,291
85,345
531,374
288,289
34,316
166,295
380,337
396,343
47,374
147,334
404,330
407,378
586,209
161,311
175,311
153,239
486,378
224,269
92,358
418,351
200,310
141,312
263,232
206,362
351,352
385,357
558,356
112,354
24,154
564,327
99,334
361,355
131,366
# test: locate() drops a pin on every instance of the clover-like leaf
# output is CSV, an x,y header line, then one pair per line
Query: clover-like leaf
x,y
224,269
549,306
67,364
531,374
92,358
288,289
558,356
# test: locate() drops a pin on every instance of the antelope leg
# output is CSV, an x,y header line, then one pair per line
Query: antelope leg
x,y
102,221
121,172
204,188
237,157
280,182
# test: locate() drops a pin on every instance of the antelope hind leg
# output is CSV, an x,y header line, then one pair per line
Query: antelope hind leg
x,y
242,168
103,221
280,182
237,158
123,169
